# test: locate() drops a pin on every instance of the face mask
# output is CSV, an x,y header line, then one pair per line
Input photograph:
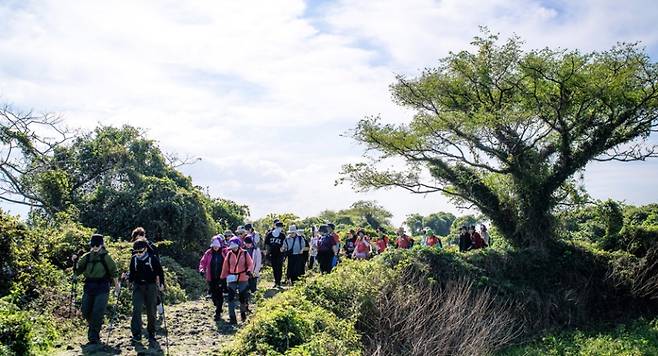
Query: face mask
x,y
278,230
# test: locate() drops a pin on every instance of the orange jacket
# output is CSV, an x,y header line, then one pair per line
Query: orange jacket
x,y
237,263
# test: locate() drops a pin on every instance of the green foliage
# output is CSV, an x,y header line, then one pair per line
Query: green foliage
x,y
228,213
290,324
638,338
505,130
23,332
187,278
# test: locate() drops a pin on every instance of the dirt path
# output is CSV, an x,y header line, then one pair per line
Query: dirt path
x,y
192,331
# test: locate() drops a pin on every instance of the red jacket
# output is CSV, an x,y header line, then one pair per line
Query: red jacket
x,y
237,263
478,241
403,241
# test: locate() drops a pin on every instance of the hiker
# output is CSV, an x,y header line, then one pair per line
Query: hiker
x,y
350,243
432,240
255,237
313,247
238,268
256,257
273,243
144,275
293,247
362,247
228,235
403,241
476,239
485,235
211,266
334,235
327,249
139,233
382,240
306,251
465,242
98,268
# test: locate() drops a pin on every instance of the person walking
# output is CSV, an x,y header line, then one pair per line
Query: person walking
x,y
293,247
350,243
362,247
256,257
211,267
139,233
238,268
273,244
403,241
476,239
98,269
432,240
327,249
313,248
382,240
465,242
485,235
144,275
332,231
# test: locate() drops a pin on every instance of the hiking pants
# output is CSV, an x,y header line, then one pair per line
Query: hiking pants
x,y
217,287
311,262
325,260
93,309
295,267
144,295
277,267
242,289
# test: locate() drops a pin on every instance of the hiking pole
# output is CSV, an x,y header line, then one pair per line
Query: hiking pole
x,y
73,296
164,320
74,285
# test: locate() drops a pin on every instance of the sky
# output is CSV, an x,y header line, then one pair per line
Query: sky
x,y
265,91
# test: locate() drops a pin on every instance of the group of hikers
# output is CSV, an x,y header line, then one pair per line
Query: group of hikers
x,y
232,265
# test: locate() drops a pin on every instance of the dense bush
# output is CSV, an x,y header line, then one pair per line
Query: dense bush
x,y
638,338
291,324
22,332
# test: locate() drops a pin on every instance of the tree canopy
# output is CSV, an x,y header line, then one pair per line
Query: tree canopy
x,y
505,130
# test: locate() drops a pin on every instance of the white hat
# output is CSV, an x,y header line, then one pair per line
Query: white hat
x,y
292,229
216,243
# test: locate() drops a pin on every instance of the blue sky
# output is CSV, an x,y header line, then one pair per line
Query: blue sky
x,y
262,90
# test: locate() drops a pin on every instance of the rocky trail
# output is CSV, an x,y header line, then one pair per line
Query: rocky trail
x,y
192,331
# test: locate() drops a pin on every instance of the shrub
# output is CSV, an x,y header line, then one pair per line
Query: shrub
x,y
24,333
638,338
290,324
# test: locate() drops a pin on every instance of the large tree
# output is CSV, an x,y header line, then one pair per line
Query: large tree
x,y
505,130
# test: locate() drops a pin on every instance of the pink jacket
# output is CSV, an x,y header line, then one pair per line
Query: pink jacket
x,y
204,264
238,263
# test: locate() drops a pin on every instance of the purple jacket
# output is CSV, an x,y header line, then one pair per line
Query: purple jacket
x,y
204,264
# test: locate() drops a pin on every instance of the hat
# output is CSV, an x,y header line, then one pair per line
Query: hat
x,y
234,242
139,245
292,229
331,226
96,240
216,243
228,233
248,240
276,221
248,227
323,229
240,229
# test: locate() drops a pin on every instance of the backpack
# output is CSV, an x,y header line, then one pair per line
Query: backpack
x,y
104,264
325,243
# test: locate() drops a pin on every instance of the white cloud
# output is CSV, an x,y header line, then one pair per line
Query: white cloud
x,y
260,91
